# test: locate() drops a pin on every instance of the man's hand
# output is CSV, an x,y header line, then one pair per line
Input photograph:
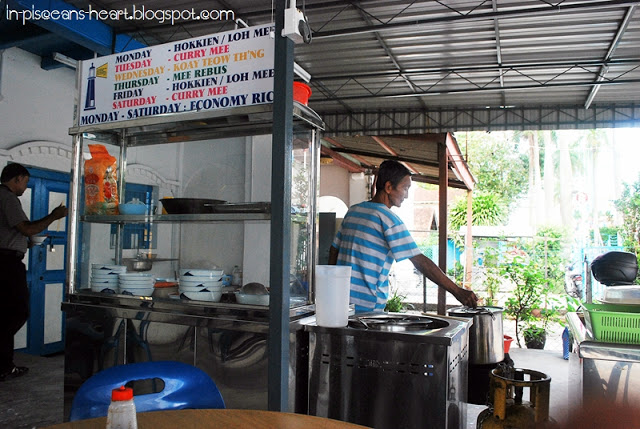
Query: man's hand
x,y
59,212
467,298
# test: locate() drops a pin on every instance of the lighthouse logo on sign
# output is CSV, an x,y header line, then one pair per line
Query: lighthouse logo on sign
x,y
90,100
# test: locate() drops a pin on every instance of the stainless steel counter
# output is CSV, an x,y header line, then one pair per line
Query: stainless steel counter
x,y
226,340
222,315
379,376
602,371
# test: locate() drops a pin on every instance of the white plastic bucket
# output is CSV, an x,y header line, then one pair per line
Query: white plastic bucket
x,y
333,283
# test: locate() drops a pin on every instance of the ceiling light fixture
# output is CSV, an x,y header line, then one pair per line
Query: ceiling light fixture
x,y
67,61
302,73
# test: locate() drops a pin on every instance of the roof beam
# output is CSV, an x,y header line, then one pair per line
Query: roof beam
x,y
341,161
496,30
391,56
484,89
460,167
412,24
90,33
484,67
394,153
612,48
361,160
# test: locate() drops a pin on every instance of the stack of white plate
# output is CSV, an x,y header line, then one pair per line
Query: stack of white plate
x,y
104,277
201,285
138,284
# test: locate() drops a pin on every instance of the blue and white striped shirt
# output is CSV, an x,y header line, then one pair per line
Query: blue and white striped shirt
x,y
370,238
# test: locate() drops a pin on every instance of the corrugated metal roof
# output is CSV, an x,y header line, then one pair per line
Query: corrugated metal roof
x,y
433,56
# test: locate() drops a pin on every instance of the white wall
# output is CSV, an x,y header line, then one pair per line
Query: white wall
x,y
36,104
334,181
216,170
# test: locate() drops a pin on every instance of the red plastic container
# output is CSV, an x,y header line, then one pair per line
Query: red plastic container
x,y
301,92
507,343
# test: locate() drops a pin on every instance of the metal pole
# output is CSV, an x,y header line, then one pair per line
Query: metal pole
x,y
122,166
442,224
282,145
74,217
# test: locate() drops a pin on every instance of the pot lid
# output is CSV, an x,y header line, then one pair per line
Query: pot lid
x,y
469,311
396,322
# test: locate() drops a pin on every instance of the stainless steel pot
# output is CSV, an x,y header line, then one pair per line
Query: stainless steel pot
x,y
486,338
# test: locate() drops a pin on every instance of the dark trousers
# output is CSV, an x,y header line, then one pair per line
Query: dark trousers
x,y
14,306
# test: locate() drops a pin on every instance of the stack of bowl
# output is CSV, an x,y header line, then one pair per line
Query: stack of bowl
x,y
104,278
138,284
201,285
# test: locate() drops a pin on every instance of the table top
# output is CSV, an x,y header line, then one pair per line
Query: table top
x,y
218,419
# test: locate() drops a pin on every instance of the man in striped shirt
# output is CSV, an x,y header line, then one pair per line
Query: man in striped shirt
x,y
372,237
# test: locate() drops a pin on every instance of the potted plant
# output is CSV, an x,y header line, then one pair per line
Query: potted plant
x,y
527,295
396,303
535,337
535,331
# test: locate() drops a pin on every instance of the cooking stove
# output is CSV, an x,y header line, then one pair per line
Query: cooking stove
x,y
390,370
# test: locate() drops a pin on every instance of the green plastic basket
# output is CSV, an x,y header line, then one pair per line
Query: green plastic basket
x,y
612,323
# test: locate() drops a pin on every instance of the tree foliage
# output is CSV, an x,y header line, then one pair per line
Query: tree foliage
x,y
488,209
496,164
629,206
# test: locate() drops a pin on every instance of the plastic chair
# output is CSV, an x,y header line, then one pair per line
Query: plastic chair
x,y
185,386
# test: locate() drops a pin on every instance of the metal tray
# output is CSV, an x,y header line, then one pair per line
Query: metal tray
x,y
622,295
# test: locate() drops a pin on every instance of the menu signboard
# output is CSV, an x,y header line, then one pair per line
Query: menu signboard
x,y
218,71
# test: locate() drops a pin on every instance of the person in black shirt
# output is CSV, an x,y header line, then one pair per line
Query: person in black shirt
x,y
15,233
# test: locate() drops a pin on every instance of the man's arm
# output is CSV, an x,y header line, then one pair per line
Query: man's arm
x,y
436,275
32,228
333,255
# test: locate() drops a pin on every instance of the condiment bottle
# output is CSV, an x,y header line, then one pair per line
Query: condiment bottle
x,y
122,410
236,279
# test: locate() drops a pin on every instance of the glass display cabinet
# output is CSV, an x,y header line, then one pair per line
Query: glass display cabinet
x,y
226,339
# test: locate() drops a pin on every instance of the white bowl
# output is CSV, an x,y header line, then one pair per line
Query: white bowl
x,y
198,289
135,291
104,280
210,283
135,276
243,298
101,287
201,279
137,282
104,276
38,239
110,267
135,285
204,296
106,273
189,272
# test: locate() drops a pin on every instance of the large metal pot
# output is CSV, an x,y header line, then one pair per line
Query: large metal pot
x,y
486,341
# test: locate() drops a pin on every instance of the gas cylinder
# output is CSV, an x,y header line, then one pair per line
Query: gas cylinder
x,y
508,409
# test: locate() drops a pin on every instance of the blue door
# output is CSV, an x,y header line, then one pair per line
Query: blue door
x,y
44,331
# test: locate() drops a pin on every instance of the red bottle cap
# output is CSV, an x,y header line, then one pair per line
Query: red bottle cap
x,y
122,394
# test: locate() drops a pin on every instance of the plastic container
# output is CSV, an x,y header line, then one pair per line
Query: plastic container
x,y
133,207
301,92
333,283
613,323
236,276
507,343
122,410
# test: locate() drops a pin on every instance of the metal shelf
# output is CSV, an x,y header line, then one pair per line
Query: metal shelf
x,y
175,218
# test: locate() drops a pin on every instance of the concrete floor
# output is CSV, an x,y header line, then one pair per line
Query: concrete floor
x,y
36,400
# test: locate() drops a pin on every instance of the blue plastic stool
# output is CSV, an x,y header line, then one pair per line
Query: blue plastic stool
x,y
185,386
